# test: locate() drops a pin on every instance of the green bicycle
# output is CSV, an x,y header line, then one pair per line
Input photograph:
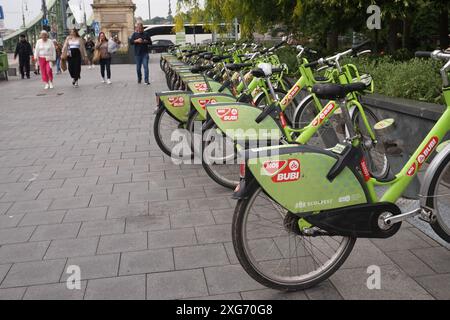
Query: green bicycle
x,y
219,157
301,208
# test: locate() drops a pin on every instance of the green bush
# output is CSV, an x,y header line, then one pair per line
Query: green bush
x,y
416,79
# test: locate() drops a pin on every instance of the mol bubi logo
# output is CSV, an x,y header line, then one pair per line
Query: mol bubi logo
x,y
423,156
204,102
201,87
283,171
176,102
323,114
228,114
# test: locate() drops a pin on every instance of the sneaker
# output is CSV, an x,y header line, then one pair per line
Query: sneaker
x,y
147,83
109,81
50,84
90,67
139,81
103,80
46,86
76,83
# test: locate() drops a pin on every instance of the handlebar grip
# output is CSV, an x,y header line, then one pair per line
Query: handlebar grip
x,y
312,64
423,54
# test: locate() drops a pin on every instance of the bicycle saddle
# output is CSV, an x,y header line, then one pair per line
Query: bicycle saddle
x,y
331,91
259,73
238,66
200,69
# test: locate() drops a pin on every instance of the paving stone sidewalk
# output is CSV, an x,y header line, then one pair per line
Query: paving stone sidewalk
x,y
82,182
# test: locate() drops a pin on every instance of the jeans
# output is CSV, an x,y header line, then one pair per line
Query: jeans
x,y
105,64
142,60
58,65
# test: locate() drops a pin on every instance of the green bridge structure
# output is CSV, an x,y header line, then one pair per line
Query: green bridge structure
x,y
60,18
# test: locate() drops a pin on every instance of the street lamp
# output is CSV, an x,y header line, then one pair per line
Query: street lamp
x,y
149,11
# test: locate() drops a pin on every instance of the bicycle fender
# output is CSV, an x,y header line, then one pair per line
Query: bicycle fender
x,y
177,103
199,101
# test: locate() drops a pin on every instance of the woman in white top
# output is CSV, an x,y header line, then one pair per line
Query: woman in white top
x,y
74,51
45,54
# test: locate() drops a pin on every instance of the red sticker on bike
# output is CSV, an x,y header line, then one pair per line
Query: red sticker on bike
x,y
204,102
323,114
283,171
228,114
291,95
365,170
201,87
176,102
427,151
412,171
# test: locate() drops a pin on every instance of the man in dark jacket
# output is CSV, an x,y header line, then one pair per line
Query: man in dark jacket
x,y
141,41
24,51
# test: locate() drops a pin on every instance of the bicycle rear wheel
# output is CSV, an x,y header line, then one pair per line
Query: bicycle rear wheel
x,y
273,251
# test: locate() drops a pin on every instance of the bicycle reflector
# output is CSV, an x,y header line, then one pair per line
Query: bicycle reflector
x,y
242,170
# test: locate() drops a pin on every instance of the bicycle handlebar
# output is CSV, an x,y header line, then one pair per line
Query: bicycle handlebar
x,y
423,54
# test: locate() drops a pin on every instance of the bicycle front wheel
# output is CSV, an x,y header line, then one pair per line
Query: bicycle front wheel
x,y
438,198
273,251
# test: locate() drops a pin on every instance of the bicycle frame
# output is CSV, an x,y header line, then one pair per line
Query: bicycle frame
x,y
403,179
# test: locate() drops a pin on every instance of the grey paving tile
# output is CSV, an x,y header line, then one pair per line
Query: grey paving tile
x,y
71,248
229,279
118,178
223,216
122,243
410,263
176,285
93,267
70,203
209,203
29,206
10,221
43,218
101,227
15,235
437,285
86,214
104,200
186,194
4,206
56,193
153,195
200,256
86,190
128,210
163,207
395,285
4,268
365,254
214,234
323,291
56,231
57,291
405,239
171,238
33,273
151,177
12,293
22,252
437,258
118,288
191,220
149,261
147,223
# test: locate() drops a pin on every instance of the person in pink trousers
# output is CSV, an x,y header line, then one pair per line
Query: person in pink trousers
x,y
45,54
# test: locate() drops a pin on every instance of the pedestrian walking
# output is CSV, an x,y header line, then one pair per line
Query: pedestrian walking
x,y
74,51
45,55
90,47
105,48
58,49
24,52
141,42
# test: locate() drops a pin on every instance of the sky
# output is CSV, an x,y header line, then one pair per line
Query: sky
x,y
13,9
